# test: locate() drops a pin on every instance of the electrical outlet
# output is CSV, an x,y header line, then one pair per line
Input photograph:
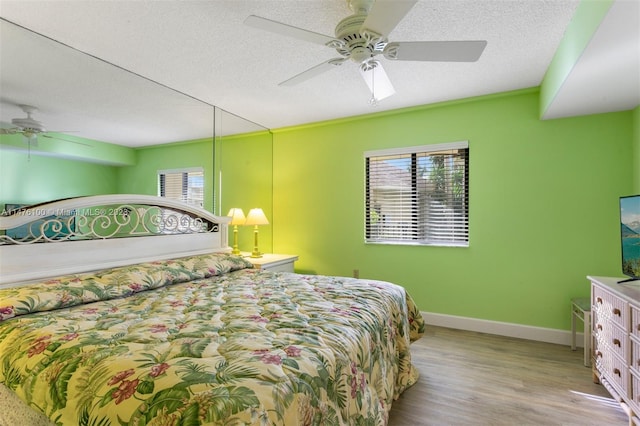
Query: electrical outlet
x,y
356,273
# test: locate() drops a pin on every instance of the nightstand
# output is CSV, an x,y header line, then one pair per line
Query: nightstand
x,y
272,262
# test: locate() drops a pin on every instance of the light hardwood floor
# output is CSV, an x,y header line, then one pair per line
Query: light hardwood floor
x,y
470,378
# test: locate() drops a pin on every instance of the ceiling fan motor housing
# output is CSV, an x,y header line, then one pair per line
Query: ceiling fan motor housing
x,y
359,46
28,124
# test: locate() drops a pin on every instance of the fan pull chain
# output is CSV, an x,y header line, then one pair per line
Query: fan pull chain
x,y
373,101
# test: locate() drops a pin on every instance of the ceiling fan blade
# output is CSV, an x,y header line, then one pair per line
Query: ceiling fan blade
x,y
314,71
386,14
435,51
65,140
377,80
289,30
10,131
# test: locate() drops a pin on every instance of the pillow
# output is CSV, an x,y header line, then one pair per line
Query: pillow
x,y
72,290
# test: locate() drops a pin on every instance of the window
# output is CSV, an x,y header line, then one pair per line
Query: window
x,y
186,185
418,195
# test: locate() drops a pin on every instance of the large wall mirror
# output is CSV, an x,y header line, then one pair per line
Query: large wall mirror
x,y
87,97
94,111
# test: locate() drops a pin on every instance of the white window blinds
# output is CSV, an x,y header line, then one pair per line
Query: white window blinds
x,y
186,185
418,195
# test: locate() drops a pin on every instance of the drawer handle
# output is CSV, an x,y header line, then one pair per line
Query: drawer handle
x,y
599,327
598,354
617,312
617,372
617,343
599,300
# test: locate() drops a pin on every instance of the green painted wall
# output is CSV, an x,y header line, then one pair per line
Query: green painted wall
x,y
242,176
40,178
143,177
244,171
543,205
58,168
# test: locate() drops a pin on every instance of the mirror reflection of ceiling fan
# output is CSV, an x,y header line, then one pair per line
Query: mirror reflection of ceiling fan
x,y
363,36
31,128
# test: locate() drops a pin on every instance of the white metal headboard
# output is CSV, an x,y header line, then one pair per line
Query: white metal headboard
x,y
95,232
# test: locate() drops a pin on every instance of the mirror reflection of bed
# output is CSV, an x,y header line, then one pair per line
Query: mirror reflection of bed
x,y
171,327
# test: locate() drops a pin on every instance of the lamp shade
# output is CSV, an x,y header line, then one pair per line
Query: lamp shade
x,y
256,217
237,216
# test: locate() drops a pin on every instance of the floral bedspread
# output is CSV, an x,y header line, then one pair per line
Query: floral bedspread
x,y
207,340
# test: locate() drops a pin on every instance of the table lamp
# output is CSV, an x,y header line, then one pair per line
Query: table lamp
x,y
256,217
237,218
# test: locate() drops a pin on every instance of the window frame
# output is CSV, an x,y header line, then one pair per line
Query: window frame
x,y
414,230
198,201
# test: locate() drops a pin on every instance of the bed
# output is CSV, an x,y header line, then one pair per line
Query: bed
x,y
130,309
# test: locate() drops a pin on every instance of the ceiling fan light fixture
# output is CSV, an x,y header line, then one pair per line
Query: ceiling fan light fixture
x,y
31,139
360,55
377,80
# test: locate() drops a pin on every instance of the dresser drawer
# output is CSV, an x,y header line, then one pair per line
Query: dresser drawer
x,y
610,336
635,321
635,391
596,352
634,363
613,369
610,307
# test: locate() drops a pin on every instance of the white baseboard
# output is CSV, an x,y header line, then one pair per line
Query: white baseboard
x,y
549,335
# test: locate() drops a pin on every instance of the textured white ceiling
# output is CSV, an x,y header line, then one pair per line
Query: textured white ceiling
x,y
203,49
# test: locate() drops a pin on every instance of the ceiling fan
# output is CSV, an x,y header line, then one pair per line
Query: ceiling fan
x,y
363,36
31,128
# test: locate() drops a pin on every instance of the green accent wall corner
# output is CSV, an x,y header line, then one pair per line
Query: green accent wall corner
x,y
585,22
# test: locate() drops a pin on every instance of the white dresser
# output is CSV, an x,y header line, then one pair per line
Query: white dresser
x,y
615,327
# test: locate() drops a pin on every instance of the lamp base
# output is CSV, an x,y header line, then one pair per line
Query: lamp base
x,y
255,253
235,250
